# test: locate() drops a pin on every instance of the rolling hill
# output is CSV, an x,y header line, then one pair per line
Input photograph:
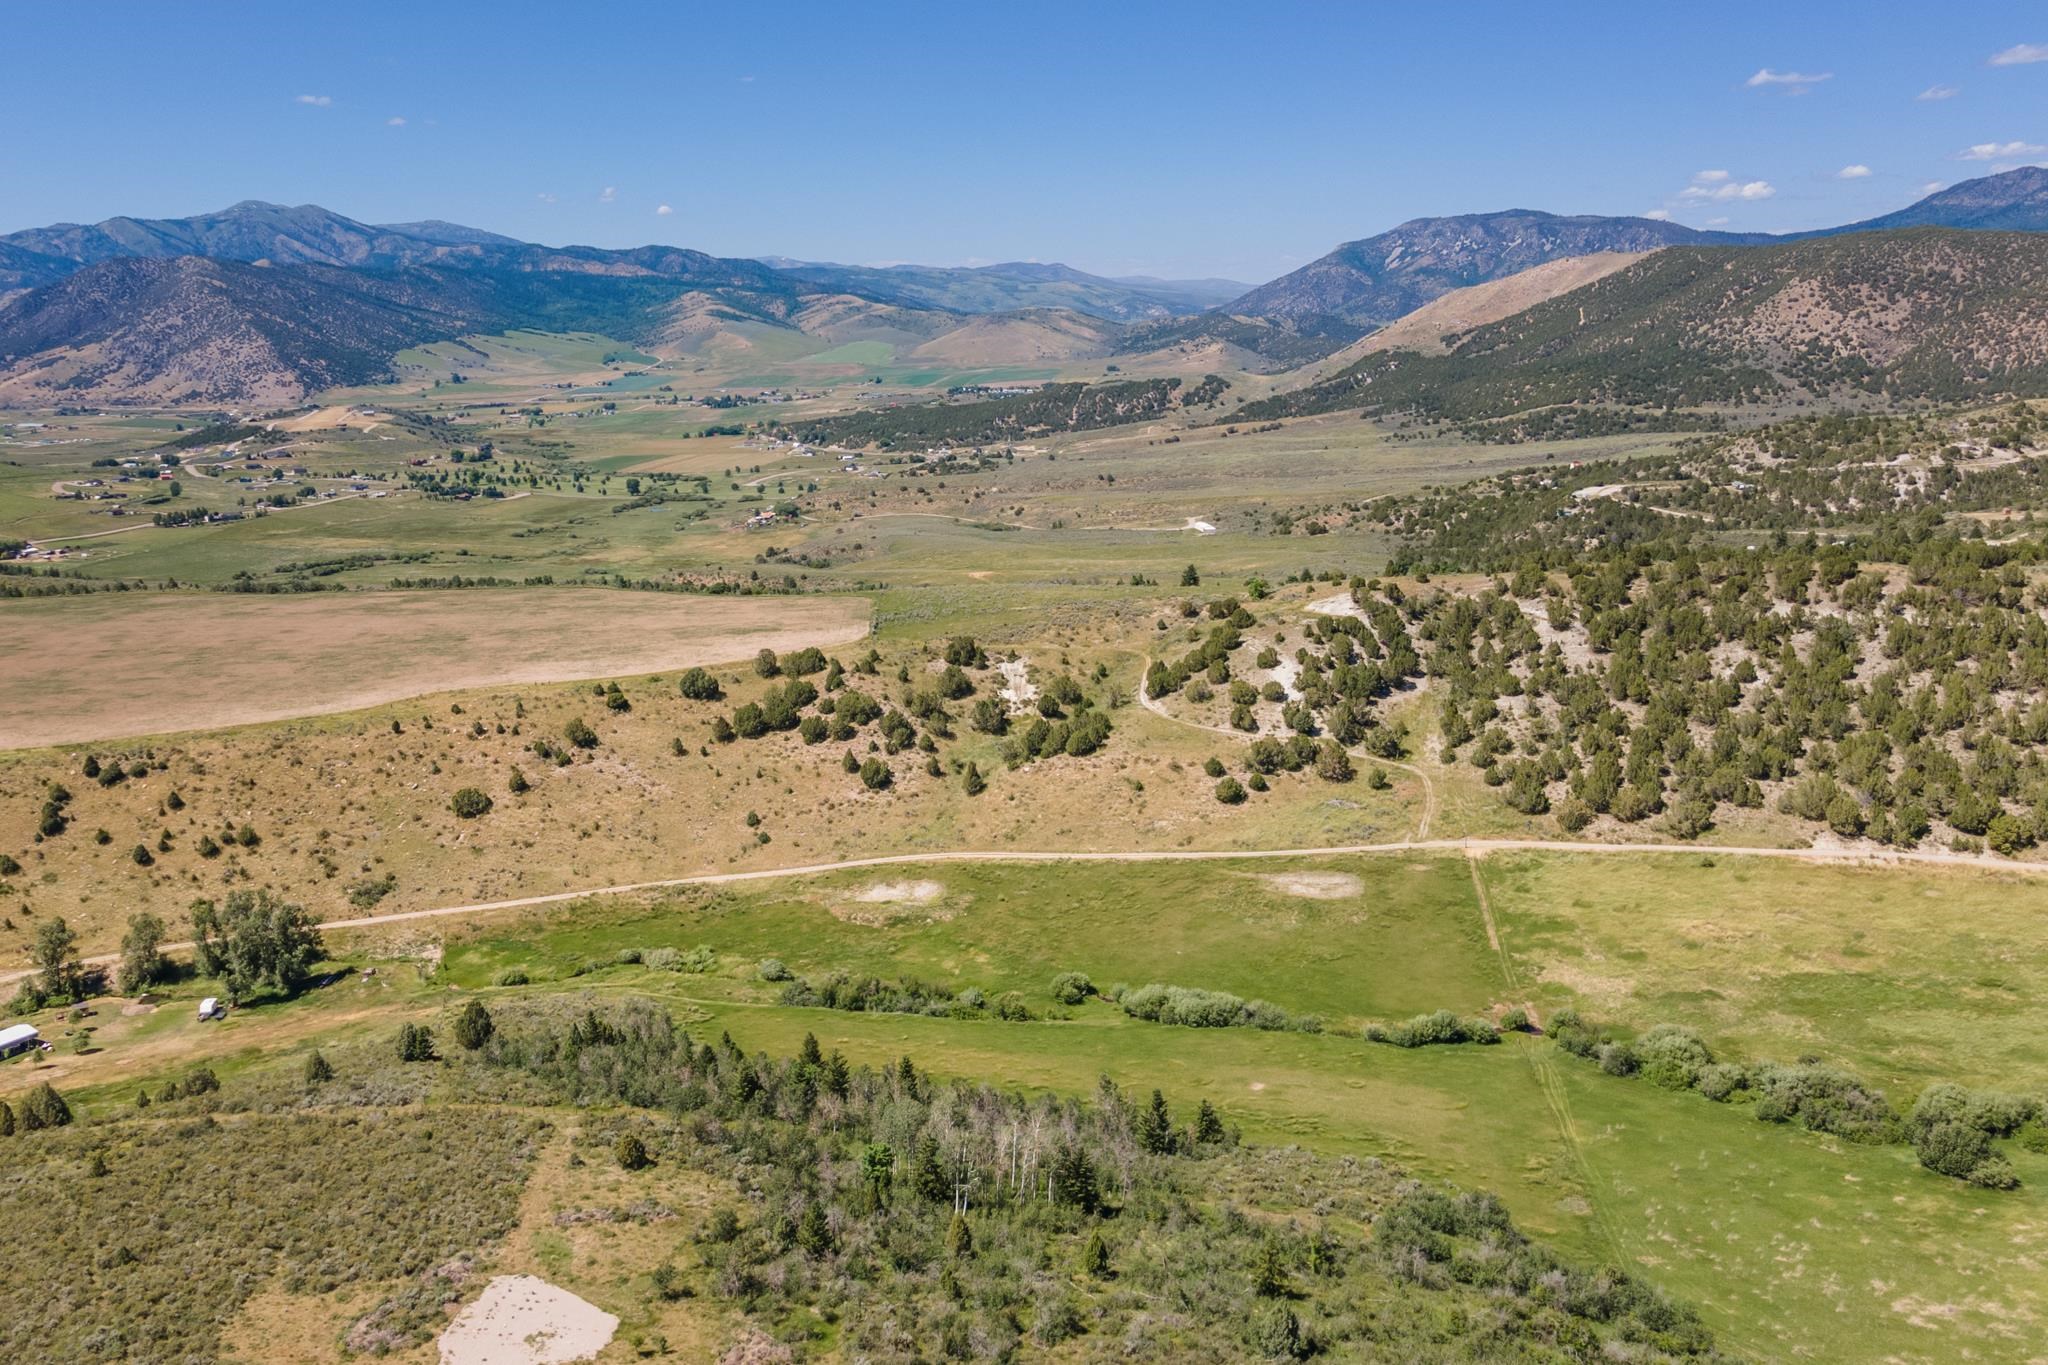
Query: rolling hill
x,y
1927,314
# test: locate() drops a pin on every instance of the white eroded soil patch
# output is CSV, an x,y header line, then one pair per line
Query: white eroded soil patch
x,y
892,893
1019,692
524,1320
1315,886
888,902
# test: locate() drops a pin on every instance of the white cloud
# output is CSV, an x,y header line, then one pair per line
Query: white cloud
x,y
663,212
395,121
1938,92
1659,215
1730,189
610,195
1931,186
1792,82
2021,54
1859,171
2001,151
545,197
1710,177
317,101
1718,222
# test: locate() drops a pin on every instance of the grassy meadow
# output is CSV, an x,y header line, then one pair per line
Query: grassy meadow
x,y
1793,1244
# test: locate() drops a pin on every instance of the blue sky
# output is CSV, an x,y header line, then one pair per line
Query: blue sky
x,y
1182,139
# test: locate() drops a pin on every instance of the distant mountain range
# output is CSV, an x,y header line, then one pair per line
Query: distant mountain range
x,y
1013,286
1367,284
262,302
1938,314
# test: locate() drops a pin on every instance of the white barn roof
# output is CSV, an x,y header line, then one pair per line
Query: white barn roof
x,y
18,1033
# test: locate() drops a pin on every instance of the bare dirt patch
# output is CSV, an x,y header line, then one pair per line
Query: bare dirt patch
x,y
103,668
1315,886
889,902
918,893
524,1320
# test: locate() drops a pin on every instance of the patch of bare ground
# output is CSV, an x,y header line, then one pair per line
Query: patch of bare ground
x,y
1315,886
99,668
524,1320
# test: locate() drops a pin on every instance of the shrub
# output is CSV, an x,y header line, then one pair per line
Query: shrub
x,y
44,1108
1071,988
469,803
631,1153
772,969
511,976
1721,1081
696,684
1230,792
1426,1030
699,959
579,733
1672,1057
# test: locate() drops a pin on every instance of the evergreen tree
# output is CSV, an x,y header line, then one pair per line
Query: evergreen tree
x,y
1095,1257
415,1043
813,1232
927,1176
1074,1181
959,1239
474,1026
7,1119
1208,1124
44,1108
1155,1127
1269,1272
318,1071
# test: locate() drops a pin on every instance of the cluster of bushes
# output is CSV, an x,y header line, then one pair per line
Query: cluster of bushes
x,y
1430,1237
928,1219
1950,1128
1193,1007
699,959
1425,1030
906,995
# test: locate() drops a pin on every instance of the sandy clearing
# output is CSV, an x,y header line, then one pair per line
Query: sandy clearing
x,y
105,667
524,1320
1315,886
1338,604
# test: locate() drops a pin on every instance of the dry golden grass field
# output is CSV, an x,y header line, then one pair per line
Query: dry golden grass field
x,y
79,669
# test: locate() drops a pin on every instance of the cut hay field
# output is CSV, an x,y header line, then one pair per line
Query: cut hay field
x,y
131,664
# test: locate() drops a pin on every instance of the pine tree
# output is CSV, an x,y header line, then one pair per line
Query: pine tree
x,y
973,781
1074,1180
1208,1124
813,1232
318,1072
927,1176
1269,1273
811,1055
7,1119
959,1239
1095,1257
1155,1127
